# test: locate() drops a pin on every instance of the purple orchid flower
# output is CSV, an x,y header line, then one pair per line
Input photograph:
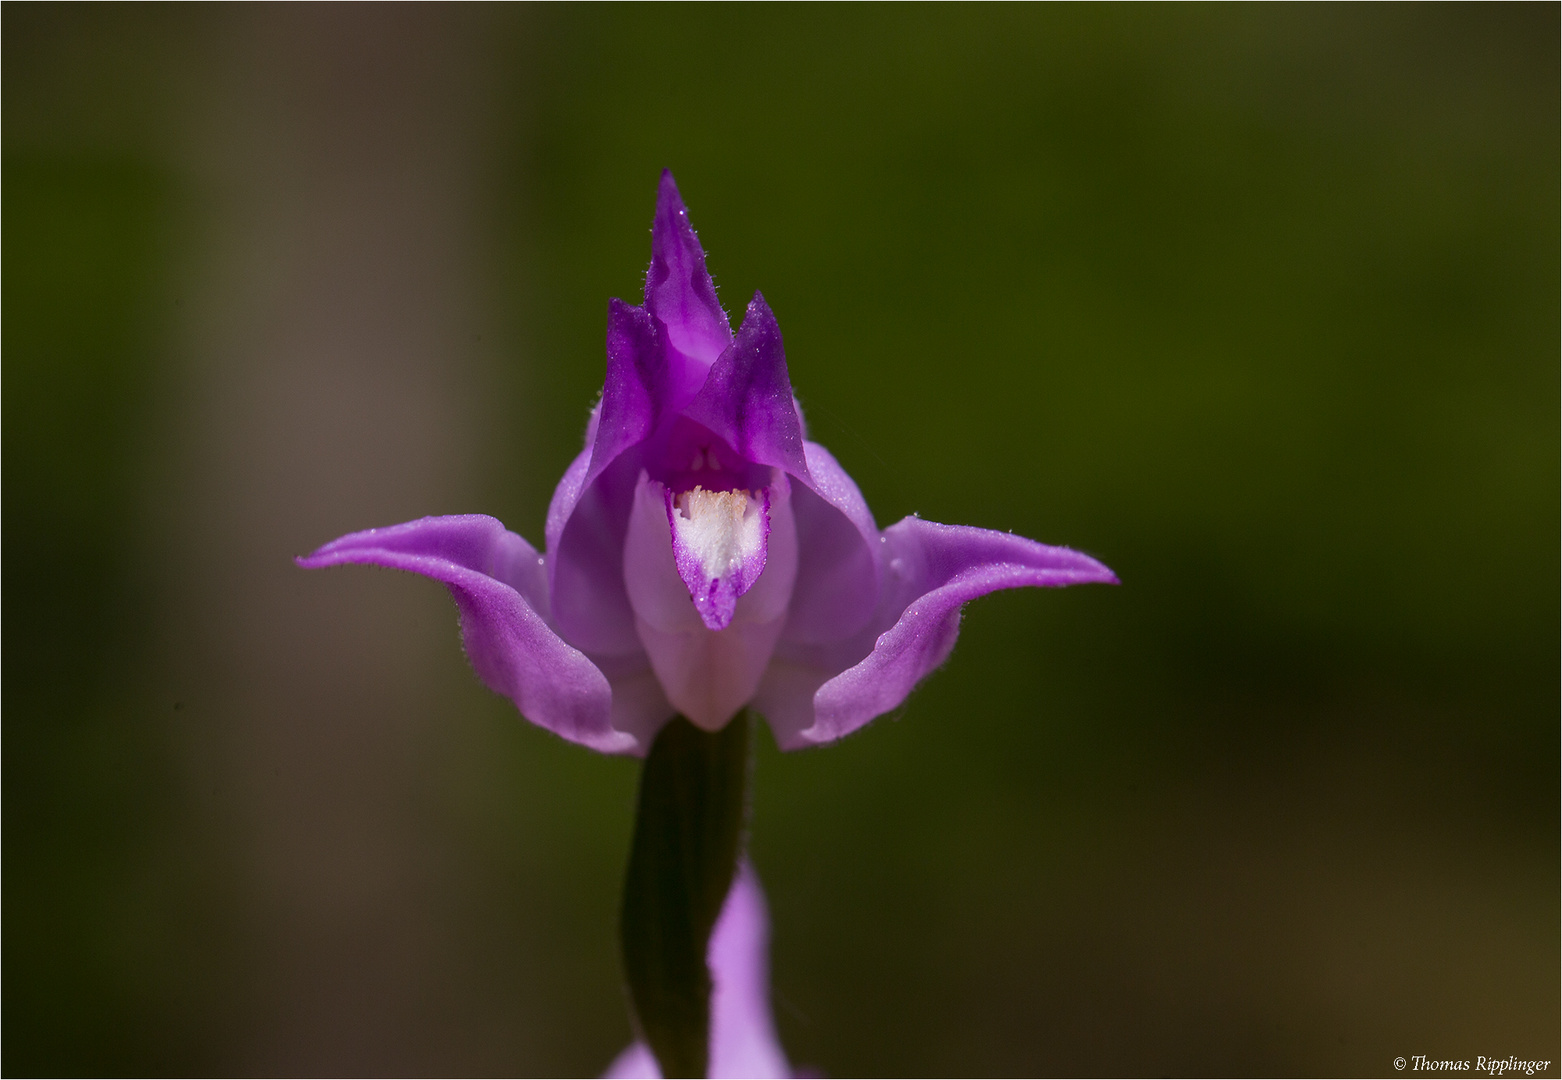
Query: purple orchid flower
x,y
743,1038
702,554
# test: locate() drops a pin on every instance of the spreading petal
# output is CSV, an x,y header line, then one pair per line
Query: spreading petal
x,y
679,292
499,585
930,571
747,398
743,1040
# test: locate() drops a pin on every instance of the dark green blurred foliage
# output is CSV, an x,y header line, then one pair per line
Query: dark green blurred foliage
x,y
98,929
1260,305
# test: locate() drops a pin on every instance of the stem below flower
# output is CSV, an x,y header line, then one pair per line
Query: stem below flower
x,y
689,829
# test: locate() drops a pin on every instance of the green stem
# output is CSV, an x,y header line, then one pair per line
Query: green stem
x,y
688,834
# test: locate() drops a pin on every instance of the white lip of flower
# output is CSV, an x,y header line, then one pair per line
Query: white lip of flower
x,y
720,528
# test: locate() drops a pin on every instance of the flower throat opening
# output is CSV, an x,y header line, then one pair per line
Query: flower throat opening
x,y
720,529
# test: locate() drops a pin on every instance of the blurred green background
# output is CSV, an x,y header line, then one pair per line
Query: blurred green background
x,y
1258,304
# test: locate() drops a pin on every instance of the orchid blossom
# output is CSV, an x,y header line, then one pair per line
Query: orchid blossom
x,y
703,555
